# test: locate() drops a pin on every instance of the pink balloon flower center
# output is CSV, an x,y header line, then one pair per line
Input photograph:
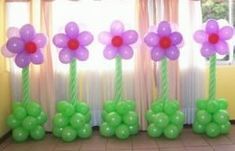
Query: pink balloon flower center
x,y
30,47
73,44
165,42
213,38
117,41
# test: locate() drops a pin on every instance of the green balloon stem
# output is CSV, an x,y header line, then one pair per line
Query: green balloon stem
x,y
164,82
73,82
212,78
118,79
25,85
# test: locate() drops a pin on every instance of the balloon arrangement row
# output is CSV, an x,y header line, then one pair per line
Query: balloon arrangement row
x,y
119,118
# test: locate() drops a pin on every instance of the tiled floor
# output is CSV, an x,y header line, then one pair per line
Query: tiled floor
x,y
186,142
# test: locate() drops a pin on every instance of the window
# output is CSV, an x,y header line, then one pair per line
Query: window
x,y
220,9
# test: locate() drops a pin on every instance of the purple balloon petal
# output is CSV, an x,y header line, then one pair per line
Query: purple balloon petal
x,y
82,54
212,26
85,38
37,57
129,37
72,30
60,40
65,56
13,32
172,53
176,38
105,38
157,53
226,33
27,32
222,48
22,60
40,40
6,52
200,36
151,39
110,52
126,52
207,50
15,45
117,28
164,28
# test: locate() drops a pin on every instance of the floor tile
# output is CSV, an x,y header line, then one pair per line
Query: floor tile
x,y
166,143
173,149
95,142
116,144
190,139
202,148
224,148
221,140
142,141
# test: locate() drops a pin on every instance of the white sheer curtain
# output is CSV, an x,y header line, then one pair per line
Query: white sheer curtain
x,y
192,64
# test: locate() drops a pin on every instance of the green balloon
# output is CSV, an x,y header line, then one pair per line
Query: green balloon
x,y
170,107
20,134
85,131
212,106
198,128
12,121
225,128
161,120
109,106
77,121
61,106
203,117
104,115
122,131
68,134
33,109
130,118
16,104
113,119
212,130
175,104
69,111
106,130
154,131
57,131
157,106
87,117
37,133
60,121
82,107
122,108
20,113
177,118
221,117
223,103
131,105
149,116
201,104
171,131
29,123
133,129
42,118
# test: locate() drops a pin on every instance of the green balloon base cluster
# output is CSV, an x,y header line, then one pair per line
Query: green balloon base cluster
x,y
72,121
164,118
119,119
26,121
212,118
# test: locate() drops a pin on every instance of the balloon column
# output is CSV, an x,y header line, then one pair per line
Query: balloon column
x,y
211,116
164,116
119,116
73,117
28,118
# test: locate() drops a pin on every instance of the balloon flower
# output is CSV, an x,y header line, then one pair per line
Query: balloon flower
x,y
212,117
119,116
28,117
73,117
164,116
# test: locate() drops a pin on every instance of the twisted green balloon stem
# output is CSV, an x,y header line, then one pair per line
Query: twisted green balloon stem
x,y
25,85
118,79
212,84
73,81
164,82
